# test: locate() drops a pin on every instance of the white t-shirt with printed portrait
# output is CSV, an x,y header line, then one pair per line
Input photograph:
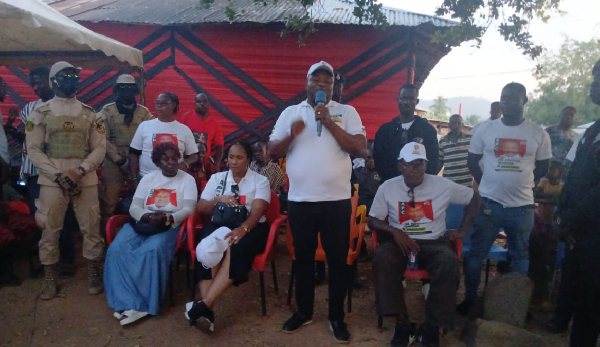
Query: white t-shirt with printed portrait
x,y
318,168
427,219
152,132
252,186
509,156
166,194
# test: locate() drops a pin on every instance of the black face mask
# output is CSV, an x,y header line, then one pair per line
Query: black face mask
x,y
127,94
67,84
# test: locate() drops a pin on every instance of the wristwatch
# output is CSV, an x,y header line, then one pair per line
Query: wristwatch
x,y
246,229
81,170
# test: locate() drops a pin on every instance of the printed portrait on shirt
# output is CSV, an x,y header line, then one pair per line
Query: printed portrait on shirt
x,y
200,137
415,219
162,200
509,153
162,138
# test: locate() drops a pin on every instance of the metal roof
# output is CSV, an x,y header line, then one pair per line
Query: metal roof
x,y
174,12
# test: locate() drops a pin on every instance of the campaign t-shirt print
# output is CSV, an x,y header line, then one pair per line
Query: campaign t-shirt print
x,y
162,138
509,153
200,137
161,200
415,219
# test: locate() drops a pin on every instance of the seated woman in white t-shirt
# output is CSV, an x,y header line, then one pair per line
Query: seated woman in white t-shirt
x,y
163,129
137,262
415,206
239,185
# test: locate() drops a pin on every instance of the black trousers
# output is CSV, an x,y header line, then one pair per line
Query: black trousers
x,y
332,220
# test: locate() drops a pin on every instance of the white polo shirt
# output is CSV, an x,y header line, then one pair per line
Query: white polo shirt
x,y
252,186
509,155
318,168
427,219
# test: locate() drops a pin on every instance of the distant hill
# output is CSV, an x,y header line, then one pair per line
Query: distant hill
x,y
470,105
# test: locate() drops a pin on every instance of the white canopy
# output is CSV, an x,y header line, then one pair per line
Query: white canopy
x,y
33,34
582,128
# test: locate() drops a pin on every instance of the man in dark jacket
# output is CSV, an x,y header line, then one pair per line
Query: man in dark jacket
x,y
580,220
405,128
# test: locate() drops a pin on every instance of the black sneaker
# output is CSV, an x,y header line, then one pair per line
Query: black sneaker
x,y
340,331
429,335
198,311
464,307
558,324
404,335
296,322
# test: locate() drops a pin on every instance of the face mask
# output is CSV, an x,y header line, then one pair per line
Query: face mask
x,y
67,85
127,95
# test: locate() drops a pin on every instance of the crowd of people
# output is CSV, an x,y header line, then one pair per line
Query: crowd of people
x,y
539,186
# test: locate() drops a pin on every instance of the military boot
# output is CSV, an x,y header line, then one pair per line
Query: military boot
x,y
49,284
95,283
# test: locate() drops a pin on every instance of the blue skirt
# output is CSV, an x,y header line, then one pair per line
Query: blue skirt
x,y
136,269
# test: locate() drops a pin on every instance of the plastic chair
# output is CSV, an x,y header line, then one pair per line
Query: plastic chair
x,y
274,219
115,224
416,274
357,232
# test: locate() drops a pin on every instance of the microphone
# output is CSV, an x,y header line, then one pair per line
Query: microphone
x,y
320,99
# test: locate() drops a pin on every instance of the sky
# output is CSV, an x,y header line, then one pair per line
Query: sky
x,y
482,72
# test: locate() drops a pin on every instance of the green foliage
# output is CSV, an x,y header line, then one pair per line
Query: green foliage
x,y
564,80
471,120
474,18
438,110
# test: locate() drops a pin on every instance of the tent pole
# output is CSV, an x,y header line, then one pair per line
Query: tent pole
x,y
142,86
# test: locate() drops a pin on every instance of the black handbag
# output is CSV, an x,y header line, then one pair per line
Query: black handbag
x,y
229,216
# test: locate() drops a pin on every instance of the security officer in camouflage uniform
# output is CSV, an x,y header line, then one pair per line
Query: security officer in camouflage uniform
x,y
67,142
121,119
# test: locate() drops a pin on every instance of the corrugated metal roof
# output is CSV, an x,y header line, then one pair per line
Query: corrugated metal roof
x,y
174,12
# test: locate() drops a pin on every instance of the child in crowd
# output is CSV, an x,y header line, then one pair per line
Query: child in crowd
x,y
542,242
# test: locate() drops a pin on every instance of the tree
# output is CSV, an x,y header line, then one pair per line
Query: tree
x,y
439,110
564,80
471,120
512,17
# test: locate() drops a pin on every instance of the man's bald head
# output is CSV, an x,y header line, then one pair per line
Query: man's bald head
x,y
455,124
202,104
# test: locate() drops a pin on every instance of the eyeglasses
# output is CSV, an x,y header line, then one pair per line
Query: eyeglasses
x,y
414,166
162,104
411,195
235,189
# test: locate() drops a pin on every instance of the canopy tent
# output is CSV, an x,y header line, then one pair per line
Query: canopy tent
x,y
582,128
34,34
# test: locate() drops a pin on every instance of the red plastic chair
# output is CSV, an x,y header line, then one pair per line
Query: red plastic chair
x,y
274,219
357,232
416,274
115,224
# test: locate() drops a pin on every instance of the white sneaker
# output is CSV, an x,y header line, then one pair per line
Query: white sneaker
x,y
425,290
118,315
131,316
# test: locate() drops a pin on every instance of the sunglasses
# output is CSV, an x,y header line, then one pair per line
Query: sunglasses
x,y
71,76
411,195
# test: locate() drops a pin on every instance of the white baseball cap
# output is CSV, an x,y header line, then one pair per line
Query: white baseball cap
x,y
412,151
320,66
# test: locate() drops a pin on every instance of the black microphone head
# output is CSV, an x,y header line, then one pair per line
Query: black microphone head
x,y
320,97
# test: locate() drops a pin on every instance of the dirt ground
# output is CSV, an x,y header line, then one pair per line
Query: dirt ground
x,y
78,319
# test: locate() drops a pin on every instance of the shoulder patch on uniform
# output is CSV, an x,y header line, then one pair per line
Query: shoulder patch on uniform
x,y
29,126
100,128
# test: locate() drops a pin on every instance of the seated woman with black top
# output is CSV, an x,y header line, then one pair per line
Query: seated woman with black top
x,y
238,186
136,269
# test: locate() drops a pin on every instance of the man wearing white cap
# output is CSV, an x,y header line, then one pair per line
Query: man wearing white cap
x,y
67,142
319,168
122,119
415,206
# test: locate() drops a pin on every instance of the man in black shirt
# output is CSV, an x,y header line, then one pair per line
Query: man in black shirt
x,y
405,128
579,218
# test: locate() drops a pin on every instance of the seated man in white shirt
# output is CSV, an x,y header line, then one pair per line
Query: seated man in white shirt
x,y
415,205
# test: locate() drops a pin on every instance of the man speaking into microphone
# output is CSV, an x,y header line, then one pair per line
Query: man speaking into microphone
x,y
319,169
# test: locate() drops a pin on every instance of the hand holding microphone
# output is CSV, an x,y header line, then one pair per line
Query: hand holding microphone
x,y
320,112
